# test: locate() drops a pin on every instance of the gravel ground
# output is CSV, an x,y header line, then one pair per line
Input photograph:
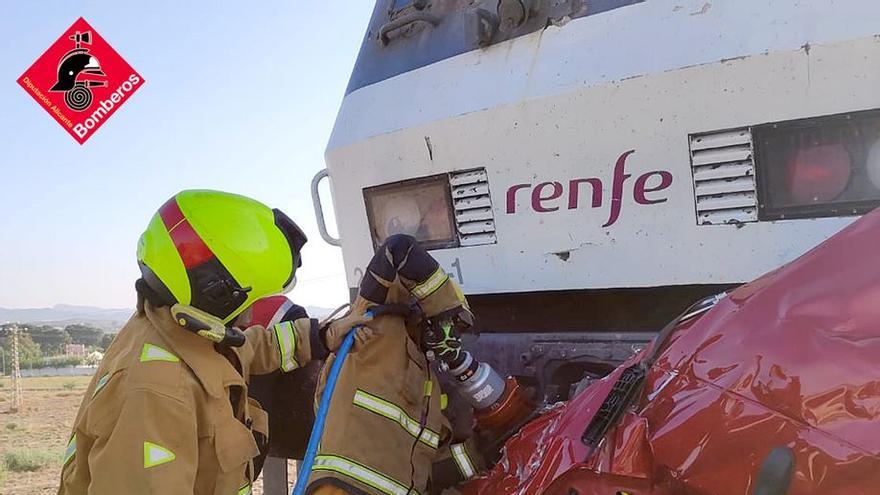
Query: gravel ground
x,y
44,423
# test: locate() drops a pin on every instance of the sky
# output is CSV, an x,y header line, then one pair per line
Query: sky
x,y
239,96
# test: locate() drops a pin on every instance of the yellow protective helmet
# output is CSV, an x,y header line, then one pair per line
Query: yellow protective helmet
x,y
218,252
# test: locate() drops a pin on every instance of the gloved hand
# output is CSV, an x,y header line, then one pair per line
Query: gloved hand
x,y
442,335
336,330
444,339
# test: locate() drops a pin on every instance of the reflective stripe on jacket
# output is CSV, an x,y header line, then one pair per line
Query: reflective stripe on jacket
x,y
167,414
457,462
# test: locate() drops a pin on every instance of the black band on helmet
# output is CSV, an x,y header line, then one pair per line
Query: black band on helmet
x,y
295,238
215,290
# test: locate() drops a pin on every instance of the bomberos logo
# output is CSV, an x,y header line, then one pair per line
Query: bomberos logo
x,y
81,81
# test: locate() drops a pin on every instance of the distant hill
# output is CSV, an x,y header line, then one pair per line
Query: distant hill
x,y
109,320
61,315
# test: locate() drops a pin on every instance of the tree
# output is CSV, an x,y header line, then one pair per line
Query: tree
x,y
84,334
28,351
106,340
52,340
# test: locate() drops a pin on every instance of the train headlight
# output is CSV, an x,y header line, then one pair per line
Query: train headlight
x,y
819,167
421,208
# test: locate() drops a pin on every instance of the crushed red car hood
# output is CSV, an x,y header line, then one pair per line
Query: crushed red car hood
x,y
791,359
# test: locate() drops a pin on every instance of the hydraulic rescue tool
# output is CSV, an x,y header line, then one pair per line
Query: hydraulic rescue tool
x,y
499,405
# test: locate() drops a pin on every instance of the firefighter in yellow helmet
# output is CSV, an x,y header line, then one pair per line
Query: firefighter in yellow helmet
x,y
168,410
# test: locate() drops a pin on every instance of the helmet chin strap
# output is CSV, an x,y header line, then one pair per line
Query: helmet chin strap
x,y
207,325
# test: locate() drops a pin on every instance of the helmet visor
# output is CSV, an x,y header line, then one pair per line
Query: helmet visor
x,y
295,238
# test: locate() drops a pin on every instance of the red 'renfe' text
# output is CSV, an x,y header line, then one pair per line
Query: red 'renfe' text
x,y
546,197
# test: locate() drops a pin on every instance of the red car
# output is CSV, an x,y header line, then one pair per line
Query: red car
x,y
773,388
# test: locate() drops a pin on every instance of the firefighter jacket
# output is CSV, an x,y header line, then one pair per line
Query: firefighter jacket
x,y
168,414
385,427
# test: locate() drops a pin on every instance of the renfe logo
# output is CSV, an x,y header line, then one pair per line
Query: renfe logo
x,y
80,80
545,197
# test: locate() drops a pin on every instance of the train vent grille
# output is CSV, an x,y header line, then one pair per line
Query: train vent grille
x,y
472,206
724,177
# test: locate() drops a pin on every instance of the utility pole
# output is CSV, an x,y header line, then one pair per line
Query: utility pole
x,y
16,371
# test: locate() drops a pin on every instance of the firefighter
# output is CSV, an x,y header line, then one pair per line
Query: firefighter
x,y
270,311
385,428
168,410
269,392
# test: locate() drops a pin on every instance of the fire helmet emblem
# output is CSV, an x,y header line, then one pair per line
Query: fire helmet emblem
x,y
80,80
77,72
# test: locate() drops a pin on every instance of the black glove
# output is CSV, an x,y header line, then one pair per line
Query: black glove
x,y
442,335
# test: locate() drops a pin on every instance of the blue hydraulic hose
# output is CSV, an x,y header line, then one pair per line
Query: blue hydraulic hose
x,y
302,475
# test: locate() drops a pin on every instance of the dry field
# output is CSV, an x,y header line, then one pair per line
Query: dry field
x,y
35,437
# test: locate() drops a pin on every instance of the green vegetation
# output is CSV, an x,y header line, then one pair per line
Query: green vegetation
x,y
11,426
106,340
43,346
29,351
84,334
2,475
69,385
19,460
52,341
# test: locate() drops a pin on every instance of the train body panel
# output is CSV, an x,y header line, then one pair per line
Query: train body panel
x,y
587,136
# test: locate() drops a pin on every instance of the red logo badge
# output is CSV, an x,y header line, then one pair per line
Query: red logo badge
x,y
81,81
